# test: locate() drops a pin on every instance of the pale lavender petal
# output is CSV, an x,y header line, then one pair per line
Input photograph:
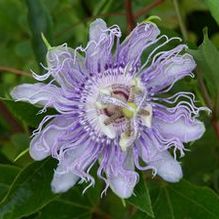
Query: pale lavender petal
x,y
66,175
38,93
167,167
98,54
167,69
148,146
66,66
178,125
123,184
139,39
157,157
97,27
47,95
76,158
186,130
63,181
121,175
50,138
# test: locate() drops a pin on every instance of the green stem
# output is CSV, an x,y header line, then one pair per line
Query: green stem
x,y
129,15
123,202
180,20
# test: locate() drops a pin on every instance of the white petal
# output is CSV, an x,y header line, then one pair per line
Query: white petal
x,y
167,167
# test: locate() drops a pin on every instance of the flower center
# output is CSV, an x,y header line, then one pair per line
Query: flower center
x,y
114,107
118,105
116,112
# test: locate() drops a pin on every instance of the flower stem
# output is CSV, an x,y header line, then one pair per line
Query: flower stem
x,y
180,20
208,102
129,15
147,8
14,71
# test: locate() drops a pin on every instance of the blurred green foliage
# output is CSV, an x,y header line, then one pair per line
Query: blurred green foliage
x,y
25,185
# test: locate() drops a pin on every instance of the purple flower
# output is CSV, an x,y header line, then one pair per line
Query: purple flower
x,y
111,110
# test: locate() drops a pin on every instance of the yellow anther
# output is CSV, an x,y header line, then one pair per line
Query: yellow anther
x,y
129,113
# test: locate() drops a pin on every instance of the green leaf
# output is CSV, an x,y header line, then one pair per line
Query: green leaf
x,y
30,191
141,199
64,210
198,167
213,6
7,175
26,112
184,200
138,215
39,22
75,203
18,143
102,7
206,57
113,206
4,159
90,199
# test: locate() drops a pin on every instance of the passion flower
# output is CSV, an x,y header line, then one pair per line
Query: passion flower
x,y
110,109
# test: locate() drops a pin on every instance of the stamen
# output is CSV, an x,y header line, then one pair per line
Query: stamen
x,y
129,129
144,112
113,118
132,94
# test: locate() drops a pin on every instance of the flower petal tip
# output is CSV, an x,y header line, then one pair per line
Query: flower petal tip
x,y
170,171
63,182
123,185
122,188
38,154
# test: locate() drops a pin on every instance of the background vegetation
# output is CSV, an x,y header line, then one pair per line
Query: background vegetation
x,y
25,185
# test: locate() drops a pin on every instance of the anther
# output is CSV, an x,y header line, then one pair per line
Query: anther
x,y
113,117
128,132
144,112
